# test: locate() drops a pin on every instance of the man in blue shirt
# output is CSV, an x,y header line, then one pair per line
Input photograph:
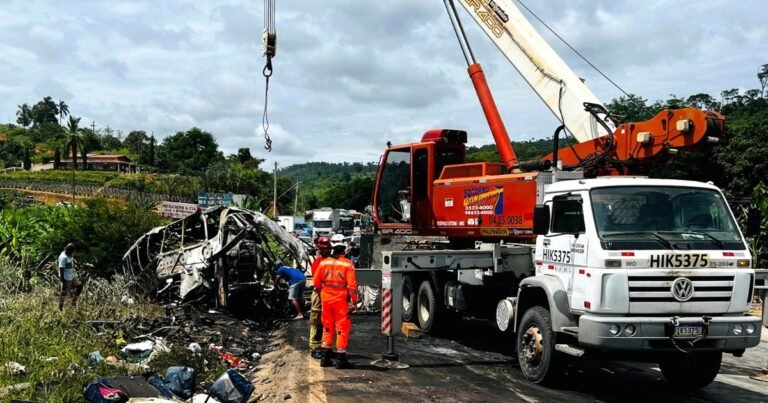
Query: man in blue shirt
x,y
297,282
70,285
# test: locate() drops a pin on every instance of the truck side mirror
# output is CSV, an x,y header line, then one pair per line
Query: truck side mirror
x,y
753,221
541,219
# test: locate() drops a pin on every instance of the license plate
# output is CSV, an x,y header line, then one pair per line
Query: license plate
x,y
687,331
679,260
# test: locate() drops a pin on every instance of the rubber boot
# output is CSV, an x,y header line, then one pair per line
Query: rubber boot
x,y
342,362
326,360
317,354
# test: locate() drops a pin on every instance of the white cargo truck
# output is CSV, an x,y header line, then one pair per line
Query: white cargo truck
x,y
623,267
322,222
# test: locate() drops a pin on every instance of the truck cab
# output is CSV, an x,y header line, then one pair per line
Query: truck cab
x,y
322,222
644,265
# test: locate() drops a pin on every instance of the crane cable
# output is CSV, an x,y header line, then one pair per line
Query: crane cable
x,y
572,48
268,48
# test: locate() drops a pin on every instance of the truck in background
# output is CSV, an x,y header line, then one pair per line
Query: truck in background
x,y
292,223
343,222
322,222
357,221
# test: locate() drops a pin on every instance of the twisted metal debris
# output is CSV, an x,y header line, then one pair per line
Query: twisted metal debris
x,y
222,253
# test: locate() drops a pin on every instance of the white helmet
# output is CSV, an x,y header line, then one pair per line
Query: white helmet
x,y
338,241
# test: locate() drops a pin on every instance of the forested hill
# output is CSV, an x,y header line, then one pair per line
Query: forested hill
x,y
310,171
350,185
524,150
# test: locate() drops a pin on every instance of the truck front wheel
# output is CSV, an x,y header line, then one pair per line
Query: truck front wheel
x,y
409,299
691,371
536,346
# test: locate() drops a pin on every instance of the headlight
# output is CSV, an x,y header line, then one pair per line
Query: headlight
x,y
750,328
738,329
629,330
614,329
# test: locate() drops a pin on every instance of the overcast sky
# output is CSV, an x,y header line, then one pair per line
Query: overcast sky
x,y
349,74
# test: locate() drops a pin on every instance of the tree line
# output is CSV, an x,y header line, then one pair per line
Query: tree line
x,y
193,160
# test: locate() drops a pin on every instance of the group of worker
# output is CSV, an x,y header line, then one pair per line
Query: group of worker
x,y
333,297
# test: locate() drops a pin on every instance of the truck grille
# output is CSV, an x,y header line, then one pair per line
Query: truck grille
x,y
658,288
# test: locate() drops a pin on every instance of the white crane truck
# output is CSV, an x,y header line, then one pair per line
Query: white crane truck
x,y
623,267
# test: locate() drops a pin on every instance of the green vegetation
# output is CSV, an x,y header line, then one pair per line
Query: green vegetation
x,y
32,330
102,229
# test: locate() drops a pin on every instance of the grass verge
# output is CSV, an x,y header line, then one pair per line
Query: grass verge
x,y
32,330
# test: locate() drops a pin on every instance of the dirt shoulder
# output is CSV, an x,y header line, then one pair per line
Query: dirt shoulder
x,y
282,373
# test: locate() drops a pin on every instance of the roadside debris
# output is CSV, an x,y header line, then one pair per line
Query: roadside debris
x,y
143,352
19,386
14,368
95,358
178,385
193,328
231,387
226,253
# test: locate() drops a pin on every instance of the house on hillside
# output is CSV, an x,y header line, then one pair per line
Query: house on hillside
x,y
108,162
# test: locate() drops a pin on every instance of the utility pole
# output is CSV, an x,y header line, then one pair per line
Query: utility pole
x,y
296,199
274,194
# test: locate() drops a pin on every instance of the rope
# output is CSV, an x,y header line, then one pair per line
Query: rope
x,y
268,49
265,115
572,48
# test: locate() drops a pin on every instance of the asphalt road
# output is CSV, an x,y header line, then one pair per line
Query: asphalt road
x,y
477,364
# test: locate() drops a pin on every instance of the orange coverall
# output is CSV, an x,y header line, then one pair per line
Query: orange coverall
x,y
335,278
315,323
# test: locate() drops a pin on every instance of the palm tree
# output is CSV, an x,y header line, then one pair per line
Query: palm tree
x,y
74,144
63,110
24,115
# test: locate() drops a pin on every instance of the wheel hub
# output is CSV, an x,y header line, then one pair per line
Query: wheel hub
x,y
424,311
532,345
406,303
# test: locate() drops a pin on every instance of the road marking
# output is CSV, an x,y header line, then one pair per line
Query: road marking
x,y
316,378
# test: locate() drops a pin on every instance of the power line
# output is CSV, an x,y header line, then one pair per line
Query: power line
x,y
572,48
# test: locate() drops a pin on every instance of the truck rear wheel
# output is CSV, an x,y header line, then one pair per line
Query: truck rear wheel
x,y
426,308
691,371
536,346
409,299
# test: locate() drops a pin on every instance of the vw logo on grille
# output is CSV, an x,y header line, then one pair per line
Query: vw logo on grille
x,y
682,289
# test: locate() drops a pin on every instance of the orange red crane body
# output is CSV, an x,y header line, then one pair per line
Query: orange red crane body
x,y
428,189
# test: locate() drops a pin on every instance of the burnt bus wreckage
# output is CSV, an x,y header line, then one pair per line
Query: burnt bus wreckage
x,y
222,254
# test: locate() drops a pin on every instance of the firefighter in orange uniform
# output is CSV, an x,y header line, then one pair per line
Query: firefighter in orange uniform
x,y
323,245
335,279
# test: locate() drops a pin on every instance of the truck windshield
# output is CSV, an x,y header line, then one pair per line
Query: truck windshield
x,y
665,216
322,224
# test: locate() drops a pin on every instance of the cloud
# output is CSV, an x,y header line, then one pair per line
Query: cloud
x,y
349,75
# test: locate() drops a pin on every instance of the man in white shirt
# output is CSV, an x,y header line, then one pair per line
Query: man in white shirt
x,y
70,285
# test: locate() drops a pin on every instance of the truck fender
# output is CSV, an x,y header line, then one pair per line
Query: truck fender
x,y
541,290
